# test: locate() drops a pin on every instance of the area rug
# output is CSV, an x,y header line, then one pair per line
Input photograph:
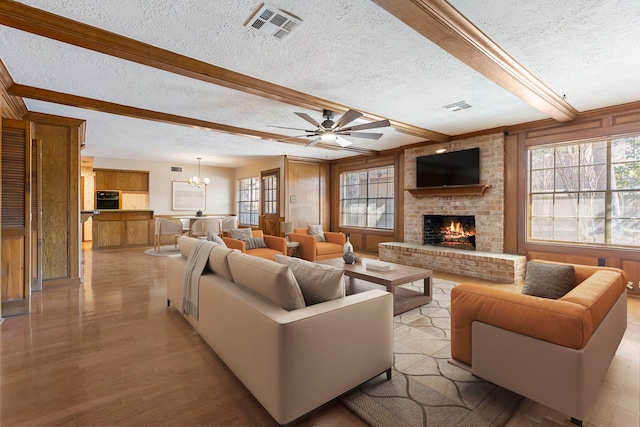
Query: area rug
x,y
164,251
426,390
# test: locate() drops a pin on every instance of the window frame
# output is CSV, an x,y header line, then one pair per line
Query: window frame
x,y
250,187
364,218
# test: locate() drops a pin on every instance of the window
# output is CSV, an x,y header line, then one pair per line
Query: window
x,y
248,200
586,192
269,194
366,198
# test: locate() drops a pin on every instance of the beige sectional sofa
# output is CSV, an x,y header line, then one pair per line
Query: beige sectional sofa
x,y
291,359
553,351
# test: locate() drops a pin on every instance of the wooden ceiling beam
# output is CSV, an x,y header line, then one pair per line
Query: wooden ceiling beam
x,y
36,21
30,92
441,23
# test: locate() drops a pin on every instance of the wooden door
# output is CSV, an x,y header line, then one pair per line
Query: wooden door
x,y
15,289
270,185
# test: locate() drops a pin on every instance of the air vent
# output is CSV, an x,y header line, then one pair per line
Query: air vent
x,y
176,168
273,22
457,106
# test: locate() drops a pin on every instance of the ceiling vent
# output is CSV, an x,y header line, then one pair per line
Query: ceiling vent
x,y
176,168
273,22
457,106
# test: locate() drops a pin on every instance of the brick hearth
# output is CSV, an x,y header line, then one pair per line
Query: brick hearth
x,y
501,268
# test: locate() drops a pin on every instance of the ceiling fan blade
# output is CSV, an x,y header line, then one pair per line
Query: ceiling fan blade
x,y
378,124
347,118
367,135
343,142
308,118
314,142
284,127
295,137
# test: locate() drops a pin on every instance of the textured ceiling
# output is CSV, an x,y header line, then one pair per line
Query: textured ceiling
x,y
351,52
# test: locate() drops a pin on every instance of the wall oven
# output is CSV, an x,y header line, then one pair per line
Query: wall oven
x,y
108,200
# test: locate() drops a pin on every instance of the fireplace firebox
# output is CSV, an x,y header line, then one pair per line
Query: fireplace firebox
x,y
457,232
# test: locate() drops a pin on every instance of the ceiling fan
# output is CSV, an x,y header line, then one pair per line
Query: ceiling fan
x,y
330,131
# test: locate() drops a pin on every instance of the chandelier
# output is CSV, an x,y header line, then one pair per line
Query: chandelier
x,y
197,180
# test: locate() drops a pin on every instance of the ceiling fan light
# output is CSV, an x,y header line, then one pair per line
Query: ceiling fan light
x,y
328,136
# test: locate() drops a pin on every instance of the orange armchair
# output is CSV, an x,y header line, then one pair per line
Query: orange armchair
x,y
275,245
312,250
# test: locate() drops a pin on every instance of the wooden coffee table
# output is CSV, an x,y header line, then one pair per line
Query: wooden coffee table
x,y
403,299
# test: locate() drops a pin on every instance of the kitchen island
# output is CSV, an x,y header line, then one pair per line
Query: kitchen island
x,y
122,228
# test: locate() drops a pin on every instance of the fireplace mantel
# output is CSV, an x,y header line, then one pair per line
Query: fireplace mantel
x,y
451,190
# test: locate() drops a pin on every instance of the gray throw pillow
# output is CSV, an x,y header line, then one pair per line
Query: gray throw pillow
x,y
548,280
255,243
318,282
213,237
241,233
317,232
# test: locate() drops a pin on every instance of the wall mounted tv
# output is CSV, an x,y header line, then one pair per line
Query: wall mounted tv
x,y
453,168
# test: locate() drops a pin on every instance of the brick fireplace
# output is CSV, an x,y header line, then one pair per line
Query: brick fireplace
x,y
488,260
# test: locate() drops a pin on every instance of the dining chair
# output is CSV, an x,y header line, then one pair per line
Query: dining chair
x,y
202,227
167,227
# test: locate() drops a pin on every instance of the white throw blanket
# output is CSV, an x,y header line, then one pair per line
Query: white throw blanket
x,y
193,269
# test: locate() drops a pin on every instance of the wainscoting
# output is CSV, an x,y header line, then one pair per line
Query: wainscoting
x,y
501,268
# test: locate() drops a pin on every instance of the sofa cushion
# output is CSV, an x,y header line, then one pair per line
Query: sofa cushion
x,y
548,280
254,243
213,237
317,232
218,262
272,281
217,257
318,282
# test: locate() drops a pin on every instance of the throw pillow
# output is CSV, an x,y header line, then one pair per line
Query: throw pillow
x,y
269,280
218,262
548,280
241,233
317,232
255,243
213,237
318,282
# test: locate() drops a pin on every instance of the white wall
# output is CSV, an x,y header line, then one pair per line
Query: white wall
x,y
220,193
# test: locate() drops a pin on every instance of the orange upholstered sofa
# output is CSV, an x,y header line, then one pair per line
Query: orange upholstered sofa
x,y
553,351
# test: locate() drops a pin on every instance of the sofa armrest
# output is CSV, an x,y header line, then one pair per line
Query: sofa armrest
x,y
307,248
335,345
335,237
276,243
559,322
235,244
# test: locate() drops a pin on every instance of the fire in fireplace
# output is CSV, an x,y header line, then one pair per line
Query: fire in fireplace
x,y
450,231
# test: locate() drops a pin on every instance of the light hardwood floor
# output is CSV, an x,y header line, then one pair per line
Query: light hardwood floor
x,y
109,352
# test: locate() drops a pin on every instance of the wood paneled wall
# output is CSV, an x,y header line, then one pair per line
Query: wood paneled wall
x,y
614,121
307,193
61,140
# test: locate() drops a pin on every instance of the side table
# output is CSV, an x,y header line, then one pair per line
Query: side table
x,y
293,248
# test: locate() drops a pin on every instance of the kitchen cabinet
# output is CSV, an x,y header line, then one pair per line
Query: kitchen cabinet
x,y
123,180
122,229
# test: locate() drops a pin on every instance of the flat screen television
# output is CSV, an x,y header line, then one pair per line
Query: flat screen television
x,y
452,168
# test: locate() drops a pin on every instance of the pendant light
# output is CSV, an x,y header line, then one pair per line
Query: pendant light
x,y
197,180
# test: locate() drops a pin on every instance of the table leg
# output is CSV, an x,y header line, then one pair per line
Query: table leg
x,y
428,287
